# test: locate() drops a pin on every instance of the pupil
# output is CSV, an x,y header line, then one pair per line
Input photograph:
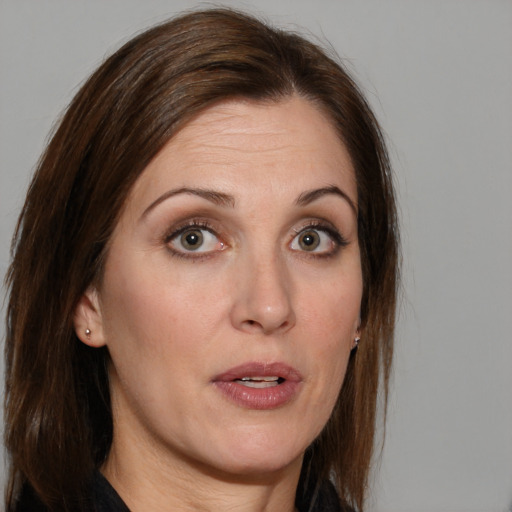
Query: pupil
x,y
192,240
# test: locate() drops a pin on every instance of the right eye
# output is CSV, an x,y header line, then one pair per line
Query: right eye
x,y
194,239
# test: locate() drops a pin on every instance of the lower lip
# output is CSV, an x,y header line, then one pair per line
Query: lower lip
x,y
259,398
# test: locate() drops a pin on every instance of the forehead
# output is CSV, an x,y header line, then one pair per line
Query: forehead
x,y
249,126
242,143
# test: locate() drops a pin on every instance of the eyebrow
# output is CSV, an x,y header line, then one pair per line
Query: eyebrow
x,y
218,198
222,199
312,195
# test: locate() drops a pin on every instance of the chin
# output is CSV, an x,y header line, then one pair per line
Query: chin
x,y
260,468
261,455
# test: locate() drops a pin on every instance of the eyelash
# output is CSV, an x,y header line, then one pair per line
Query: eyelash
x,y
326,227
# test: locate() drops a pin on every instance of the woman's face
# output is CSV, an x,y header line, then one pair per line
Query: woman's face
x,y
231,292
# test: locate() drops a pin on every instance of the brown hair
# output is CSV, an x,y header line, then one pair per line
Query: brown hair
x,y
57,405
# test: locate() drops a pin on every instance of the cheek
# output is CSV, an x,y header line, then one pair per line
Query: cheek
x,y
331,318
150,311
133,302
333,309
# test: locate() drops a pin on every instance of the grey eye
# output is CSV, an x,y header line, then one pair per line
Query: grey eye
x,y
309,240
314,240
192,240
195,239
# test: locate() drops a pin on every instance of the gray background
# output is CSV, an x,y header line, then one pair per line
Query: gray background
x,y
439,75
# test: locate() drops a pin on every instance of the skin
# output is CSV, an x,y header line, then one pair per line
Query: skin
x,y
174,318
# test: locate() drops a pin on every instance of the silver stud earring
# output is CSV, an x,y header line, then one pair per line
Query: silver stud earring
x,y
356,341
87,331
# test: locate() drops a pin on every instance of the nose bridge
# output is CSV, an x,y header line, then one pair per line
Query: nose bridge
x,y
264,300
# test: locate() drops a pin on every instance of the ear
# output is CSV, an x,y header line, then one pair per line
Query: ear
x,y
88,319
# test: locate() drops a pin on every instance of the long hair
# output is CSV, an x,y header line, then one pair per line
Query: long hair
x,y
57,404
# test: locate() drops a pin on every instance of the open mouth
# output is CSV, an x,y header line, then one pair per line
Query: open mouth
x,y
260,382
260,385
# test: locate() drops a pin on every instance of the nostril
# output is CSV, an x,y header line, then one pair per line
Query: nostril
x,y
253,325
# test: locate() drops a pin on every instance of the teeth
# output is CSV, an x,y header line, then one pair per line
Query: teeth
x,y
265,379
259,382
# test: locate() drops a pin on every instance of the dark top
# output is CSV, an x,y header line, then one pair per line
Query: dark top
x,y
104,498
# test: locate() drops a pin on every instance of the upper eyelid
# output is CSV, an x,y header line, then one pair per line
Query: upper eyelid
x,y
321,225
317,224
209,225
176,230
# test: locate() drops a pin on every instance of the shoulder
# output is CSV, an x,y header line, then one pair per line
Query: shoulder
x,y
102,497
105,497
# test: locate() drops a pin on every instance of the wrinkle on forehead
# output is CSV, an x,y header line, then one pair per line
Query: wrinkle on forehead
x,y
232,122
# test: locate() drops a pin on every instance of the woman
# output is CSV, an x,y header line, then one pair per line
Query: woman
x,y
210,232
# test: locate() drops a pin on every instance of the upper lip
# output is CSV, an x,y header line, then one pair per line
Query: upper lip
x,y
259,369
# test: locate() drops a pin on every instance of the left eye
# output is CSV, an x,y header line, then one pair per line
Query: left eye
x,y
195,239
313,240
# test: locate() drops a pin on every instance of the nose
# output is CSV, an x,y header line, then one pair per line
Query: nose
x,y
263,297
